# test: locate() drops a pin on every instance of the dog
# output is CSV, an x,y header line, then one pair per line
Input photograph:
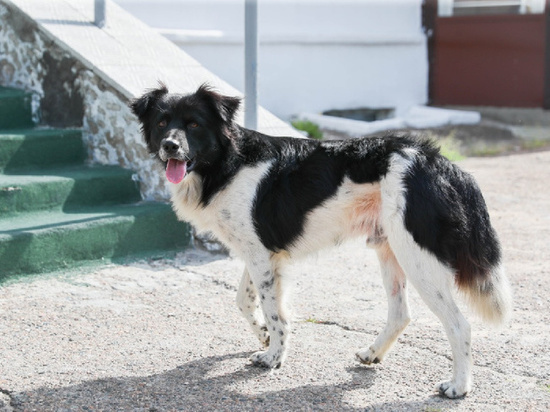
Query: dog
x,y
271,200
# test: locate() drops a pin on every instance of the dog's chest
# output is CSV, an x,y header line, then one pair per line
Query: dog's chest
x,y
229,213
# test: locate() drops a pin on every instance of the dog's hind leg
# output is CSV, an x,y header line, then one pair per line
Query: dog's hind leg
x,y
434,282
395,284
248,303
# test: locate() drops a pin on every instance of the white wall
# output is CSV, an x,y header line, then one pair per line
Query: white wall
x,y
315,55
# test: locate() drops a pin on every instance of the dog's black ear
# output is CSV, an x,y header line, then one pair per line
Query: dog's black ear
x,y
143,104
226,106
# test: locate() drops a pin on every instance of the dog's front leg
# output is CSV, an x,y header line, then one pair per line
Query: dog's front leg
x,y
267,283
248,303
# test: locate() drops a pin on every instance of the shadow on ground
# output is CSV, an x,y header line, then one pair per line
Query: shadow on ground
x,y
192,387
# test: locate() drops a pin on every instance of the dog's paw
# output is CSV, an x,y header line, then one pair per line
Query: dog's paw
x,y
368,356
452,390
267,359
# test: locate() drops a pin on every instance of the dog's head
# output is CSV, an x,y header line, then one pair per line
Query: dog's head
x,y
185,132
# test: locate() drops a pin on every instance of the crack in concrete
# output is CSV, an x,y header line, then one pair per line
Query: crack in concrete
x,y
403,342
348,328
341,326
208,278
222,283
495,369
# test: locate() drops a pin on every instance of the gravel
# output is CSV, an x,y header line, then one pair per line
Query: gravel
x,y
166,335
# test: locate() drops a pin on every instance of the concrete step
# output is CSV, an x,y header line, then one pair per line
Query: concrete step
x,y
56,212
67,189
27,149
52,240
15,109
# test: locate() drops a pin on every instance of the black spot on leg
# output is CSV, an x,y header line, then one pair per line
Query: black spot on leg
x,y
264,328
275,318
439,296
224,213
273,328
376,360
282,342
267,284
263,297
281,333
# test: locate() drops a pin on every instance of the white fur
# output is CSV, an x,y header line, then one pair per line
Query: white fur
x,y
495,306
335,220
372,210
395,285
229,217
432,279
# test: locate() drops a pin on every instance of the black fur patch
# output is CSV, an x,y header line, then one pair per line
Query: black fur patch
x,y
446,214
445,211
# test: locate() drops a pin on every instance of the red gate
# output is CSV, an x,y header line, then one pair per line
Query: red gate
x,y
489,59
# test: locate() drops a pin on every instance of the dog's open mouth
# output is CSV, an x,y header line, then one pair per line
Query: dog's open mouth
x,y
177,169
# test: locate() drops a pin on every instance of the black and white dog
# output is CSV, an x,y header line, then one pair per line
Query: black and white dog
x,y
274,199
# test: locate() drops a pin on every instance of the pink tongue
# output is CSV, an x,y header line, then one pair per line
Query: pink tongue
x,y
175,171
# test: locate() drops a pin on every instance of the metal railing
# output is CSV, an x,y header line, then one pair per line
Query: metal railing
x,y
251,46
99,13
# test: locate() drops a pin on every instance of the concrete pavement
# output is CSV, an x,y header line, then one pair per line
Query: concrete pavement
x,y
165,335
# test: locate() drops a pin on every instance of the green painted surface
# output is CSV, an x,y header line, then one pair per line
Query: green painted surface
x,y
40,148
15,109
47,241
67,189
58,213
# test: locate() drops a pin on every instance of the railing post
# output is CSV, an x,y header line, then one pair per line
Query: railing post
x,y
251,64
99,13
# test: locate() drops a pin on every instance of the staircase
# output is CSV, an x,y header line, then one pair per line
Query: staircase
x,y
56,212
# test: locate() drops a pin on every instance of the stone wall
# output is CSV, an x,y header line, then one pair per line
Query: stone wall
x,y
67,93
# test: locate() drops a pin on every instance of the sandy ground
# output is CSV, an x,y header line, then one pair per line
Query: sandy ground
x,y
165,335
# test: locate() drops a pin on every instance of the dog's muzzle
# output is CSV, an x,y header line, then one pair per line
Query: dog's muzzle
x,y
178,163
171,148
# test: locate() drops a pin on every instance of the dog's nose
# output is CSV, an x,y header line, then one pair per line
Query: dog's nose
x,y
170,146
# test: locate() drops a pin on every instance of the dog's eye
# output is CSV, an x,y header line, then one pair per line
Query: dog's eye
x,y
193,125
162,124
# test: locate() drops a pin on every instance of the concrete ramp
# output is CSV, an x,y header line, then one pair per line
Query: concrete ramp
x,y
127,53
53,49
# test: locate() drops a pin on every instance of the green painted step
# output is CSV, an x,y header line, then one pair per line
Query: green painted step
x,y
56,212
67,189
47,241
40,148
15,109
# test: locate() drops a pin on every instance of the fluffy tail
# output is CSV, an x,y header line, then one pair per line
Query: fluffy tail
x,y
490,296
